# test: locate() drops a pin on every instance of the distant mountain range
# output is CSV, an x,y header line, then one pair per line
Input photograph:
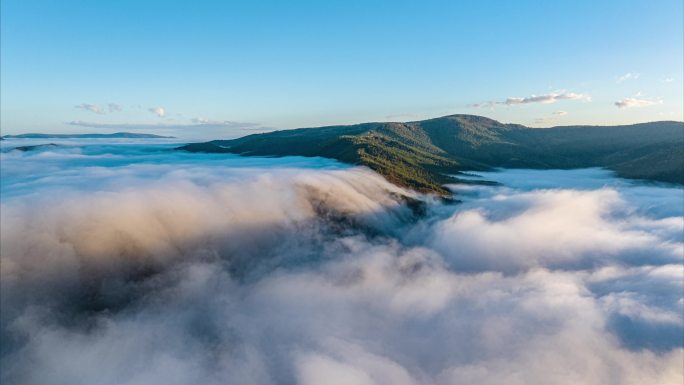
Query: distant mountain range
x,y
424,155
126,135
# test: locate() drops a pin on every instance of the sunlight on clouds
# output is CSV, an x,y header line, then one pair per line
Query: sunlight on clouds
x,y
635,102
133,264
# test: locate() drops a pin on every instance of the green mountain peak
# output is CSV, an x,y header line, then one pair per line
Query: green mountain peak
x,y
424,155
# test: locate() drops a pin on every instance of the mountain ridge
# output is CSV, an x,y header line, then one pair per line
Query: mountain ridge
x,y
426,154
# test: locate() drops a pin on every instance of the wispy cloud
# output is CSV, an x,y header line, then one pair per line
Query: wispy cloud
x,y
223,123
159,111
549,98
91,107
553,119
628,76
113,107
482,105
98,109
196,124
636,102
668,80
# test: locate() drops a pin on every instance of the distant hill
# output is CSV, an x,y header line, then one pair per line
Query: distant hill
x,y
422,154
36,147
126,135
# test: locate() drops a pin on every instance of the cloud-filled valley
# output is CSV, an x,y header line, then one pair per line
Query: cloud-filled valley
x,y
129,263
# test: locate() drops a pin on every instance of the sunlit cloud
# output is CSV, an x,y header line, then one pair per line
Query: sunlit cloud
x,y
547,99
550,98
635,102
138,264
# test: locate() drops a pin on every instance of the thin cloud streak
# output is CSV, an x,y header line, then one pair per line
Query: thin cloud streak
x,y
145,126
91,107
541,99
224,123
547,99
635,102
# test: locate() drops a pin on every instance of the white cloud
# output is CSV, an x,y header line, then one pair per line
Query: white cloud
x,y
628,76
559,113
182,268
635,102
547,99
550,98
535,227
91,107
159,111
629,304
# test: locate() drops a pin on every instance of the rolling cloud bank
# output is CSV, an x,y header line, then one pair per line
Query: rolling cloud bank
x,y
128,263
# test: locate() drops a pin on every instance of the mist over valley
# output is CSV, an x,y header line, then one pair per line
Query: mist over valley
x,y
135,263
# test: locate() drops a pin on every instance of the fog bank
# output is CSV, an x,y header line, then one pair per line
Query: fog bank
x,y
132,264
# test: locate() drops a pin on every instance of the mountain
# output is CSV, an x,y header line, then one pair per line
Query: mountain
x,y
116,135
424,155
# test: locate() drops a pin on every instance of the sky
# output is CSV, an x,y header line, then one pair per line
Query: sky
x,y
226,69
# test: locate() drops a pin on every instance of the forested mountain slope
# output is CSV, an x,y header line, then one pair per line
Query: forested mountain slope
x,y
423,154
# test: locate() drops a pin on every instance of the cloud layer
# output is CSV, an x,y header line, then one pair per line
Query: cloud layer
x,y
130,264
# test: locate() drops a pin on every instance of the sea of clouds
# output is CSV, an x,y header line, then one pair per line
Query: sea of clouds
x,y
130,263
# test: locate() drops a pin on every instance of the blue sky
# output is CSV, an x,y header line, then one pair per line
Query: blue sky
x,y
225,69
